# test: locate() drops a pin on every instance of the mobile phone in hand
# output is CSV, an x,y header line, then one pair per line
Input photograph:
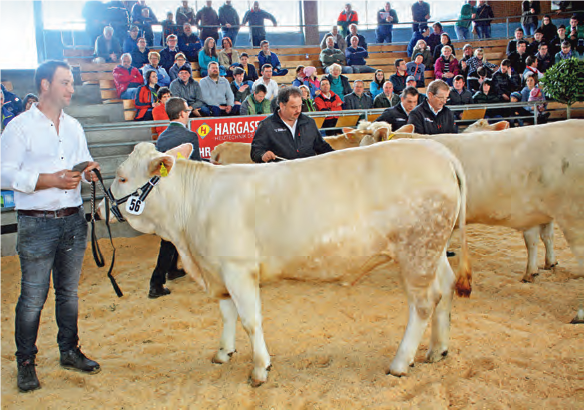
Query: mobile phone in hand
x,y
81,166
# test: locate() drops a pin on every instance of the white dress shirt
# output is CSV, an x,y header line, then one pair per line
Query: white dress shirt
x,y
31,146
272,87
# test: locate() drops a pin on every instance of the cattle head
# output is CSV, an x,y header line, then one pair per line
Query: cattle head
x,y
383,132
483,125
137,177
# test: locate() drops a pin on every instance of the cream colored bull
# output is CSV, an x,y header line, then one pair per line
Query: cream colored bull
x,y
334,217
524,178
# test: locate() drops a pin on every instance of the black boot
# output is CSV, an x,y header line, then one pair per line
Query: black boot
x,y
74,359
27,379
157,291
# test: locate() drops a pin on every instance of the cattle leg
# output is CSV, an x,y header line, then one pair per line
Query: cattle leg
x,y
531,237
243,286
547,236
227,344
444,284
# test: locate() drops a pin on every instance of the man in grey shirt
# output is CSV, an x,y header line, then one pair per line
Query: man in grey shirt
x,y
185,87
216,90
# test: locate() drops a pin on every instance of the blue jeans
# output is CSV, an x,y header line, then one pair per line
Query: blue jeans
x,y
383,33
462,33
231,33
279,72
129,94
528,29
484,31
45,245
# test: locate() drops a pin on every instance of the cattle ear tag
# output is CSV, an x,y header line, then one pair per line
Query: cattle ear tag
x,y
163,170
389,137
179,156
134,206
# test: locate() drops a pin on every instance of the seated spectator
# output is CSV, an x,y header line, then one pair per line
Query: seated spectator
x,y
338,40
530,84
241,89
516,111
29,100
144,17
548,28
531,67
459,94
416,69
387,98
162,75
127,78
168,28
353,33
7,116
537,95
147,97
422,48
107,48
533,47
446,66
356,56
207,54
159,112
312,79
217,92
519,56
338,83
131,42
140,54
307,102
512,45
347,18
487,95
299,80
480,60
418,35
179,61
249,69
434,38
544,59
303,79
267,57
376,86
330,56
228,56
411,82
188,89
268,82
467,54
358,99
399,78
257,103
189,43
505,81
168,53
444,41
556,43
566,52
476,79
397,116
328,101
11,101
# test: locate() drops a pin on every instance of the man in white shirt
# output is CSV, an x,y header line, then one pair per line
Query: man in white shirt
x,y
40,148
266,79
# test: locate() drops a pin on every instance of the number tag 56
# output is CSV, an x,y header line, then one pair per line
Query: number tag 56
x,y
134,206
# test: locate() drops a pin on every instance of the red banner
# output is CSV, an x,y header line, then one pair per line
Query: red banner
x,y
214,131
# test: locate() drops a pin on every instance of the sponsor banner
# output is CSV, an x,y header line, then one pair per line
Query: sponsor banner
x,y
214,131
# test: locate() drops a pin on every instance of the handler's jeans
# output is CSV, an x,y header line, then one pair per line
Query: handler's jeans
x,y
45,245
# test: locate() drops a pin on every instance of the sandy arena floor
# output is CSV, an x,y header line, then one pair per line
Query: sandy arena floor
x,y
511,344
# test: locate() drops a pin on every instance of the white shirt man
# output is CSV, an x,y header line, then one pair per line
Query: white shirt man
x,y
266,79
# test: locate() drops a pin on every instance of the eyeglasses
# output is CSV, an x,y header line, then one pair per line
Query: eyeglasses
x,y
188,110
441,98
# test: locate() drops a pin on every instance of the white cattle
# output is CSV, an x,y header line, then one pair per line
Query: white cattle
x,y
334,217
483,125
525,178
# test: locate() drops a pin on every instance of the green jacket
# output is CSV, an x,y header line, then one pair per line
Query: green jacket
x,y
251,107
465,17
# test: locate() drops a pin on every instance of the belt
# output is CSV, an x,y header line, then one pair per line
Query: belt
x,y
59,213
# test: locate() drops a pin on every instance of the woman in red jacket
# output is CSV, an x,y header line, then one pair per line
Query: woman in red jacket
x,y
328,101
146,97
446,66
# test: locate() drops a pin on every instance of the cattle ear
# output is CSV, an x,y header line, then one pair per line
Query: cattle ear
x,y
407,129
185,151
347,130
501,125
381,134
161,166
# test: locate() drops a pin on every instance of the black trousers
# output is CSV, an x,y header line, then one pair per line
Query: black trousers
x,y
167,261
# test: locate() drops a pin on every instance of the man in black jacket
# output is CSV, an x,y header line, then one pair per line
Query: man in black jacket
x,y
518,57
505,81
287,133
398,115
175,135
459,94
432,116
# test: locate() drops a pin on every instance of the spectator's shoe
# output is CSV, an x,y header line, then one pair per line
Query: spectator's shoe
x,y
27,379
158,291
74,359
175,274
450,254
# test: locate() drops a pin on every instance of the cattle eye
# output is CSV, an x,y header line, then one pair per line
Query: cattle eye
x,y
121,179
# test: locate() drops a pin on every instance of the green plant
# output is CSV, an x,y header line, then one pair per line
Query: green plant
x,y
560,82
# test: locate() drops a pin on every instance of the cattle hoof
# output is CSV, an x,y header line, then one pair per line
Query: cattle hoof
x,y
529,278
435,356
397,370
222,356
258,377
551,266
